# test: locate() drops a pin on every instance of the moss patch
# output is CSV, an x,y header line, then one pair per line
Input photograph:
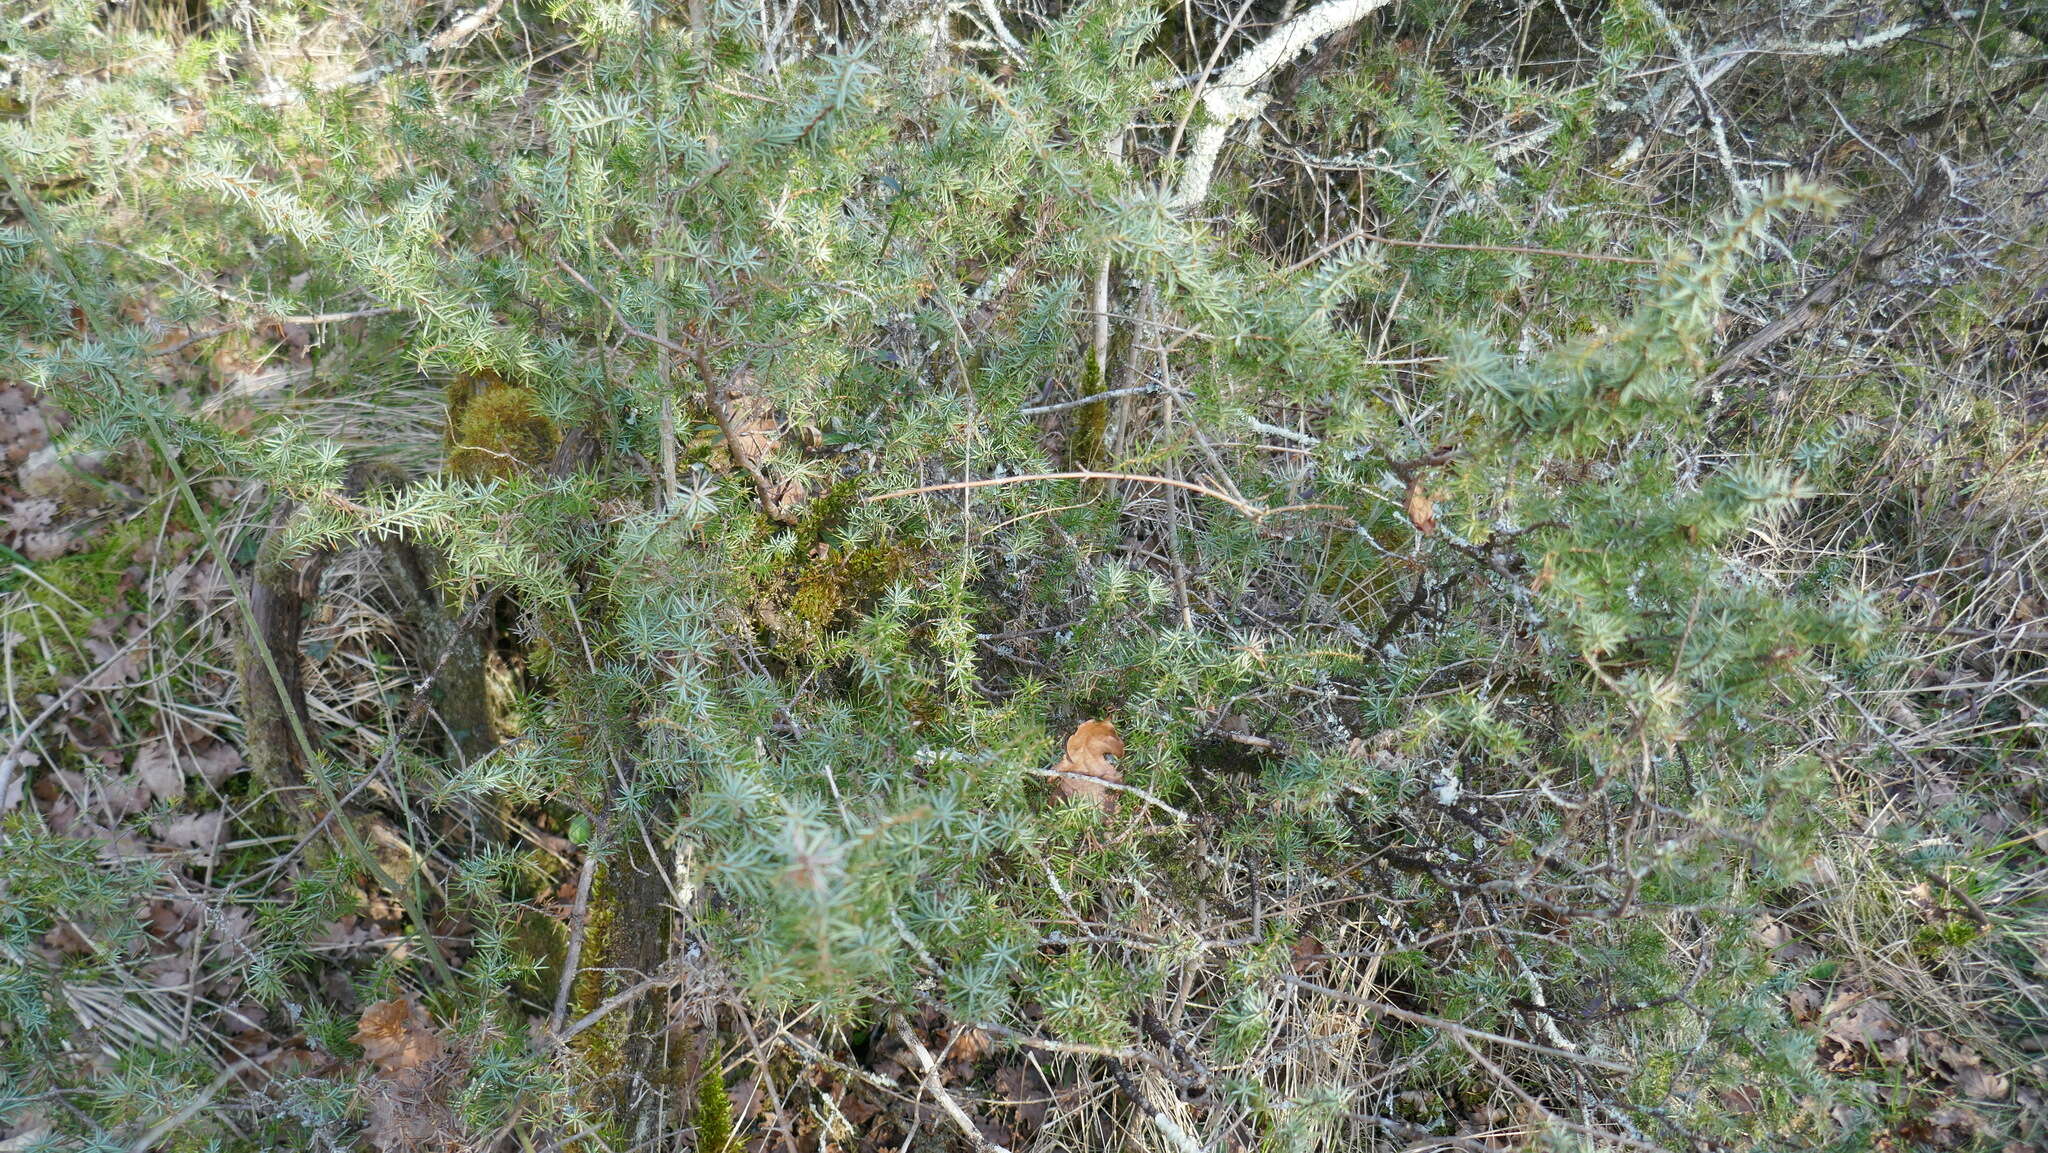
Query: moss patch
x,y
825,582
48,616
496,429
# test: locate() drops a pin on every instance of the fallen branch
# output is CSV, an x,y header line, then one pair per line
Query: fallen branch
x,y
1882,245
1081,1049
1120,787
1453,1028
1445,245
1175,1136
1229,99
1084,401
930,1065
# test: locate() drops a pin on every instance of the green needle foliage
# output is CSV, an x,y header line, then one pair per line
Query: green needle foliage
x,y
1471,643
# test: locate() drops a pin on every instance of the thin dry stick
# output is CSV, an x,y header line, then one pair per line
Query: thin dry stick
x,y
453,36
1811,309
1082,401
670,492
1548,1114
1381,1009
1251,510
1168,1128
1510,249
1120,787
945,1099
1080,1049
572,959
612,1004
192,1108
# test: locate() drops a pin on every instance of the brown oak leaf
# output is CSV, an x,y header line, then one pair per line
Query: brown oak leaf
x,y
218,762
156,770
753,431
198,832
1421,510
396,1036
1091,759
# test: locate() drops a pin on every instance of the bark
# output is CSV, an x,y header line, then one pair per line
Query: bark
x,y
633,1070
277,729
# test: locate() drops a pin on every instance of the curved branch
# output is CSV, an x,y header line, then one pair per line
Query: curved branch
x,y
1229,99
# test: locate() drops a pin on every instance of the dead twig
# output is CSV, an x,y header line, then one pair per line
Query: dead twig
x,y
1253,511
1358,234
1453,1028
1810,310
930,1065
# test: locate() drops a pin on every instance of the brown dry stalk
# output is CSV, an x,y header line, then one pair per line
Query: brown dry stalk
x,y
932,1081
1357,234
1251,510
1381,1009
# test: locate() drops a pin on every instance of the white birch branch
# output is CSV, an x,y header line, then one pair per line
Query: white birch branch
x,y
453,36
1229,99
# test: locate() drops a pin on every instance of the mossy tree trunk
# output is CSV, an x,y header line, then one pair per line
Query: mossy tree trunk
x,y
631,1072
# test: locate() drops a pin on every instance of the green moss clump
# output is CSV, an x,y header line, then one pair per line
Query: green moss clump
x,y
713,1116
1088,429
1931,941
798,605
496,429
50,615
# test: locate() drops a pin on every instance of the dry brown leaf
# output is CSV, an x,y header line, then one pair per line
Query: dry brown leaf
x,y
1091,753
408,1098
156,769
42,546
397,1036
1307,954
755,430
12,777
114,664
67,940
1963,1067
1421,510
199,833
1803,1003
1857,1020
31,515
218,761
963,1048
